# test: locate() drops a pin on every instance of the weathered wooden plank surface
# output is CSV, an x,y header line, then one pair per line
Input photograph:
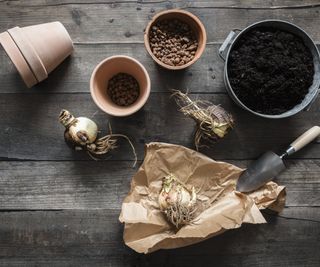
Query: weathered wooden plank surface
x,y
94,238
248,4
101,185
123,21
30,129
73,75
59,208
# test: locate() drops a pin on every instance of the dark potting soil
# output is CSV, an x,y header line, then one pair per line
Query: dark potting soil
x,y
270,70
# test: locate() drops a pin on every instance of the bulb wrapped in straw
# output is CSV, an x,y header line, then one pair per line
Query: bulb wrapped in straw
x,y
213,122
177,201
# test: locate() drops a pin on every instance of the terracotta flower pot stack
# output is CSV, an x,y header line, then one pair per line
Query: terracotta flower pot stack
x,y
37,50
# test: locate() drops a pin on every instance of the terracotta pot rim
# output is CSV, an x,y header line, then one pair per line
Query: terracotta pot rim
x,y
179,11
29,53
137,106
18,60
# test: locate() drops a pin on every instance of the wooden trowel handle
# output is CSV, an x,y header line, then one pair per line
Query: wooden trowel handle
x,y
305,138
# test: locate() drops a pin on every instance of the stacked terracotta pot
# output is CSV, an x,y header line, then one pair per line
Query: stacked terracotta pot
x,y
37,50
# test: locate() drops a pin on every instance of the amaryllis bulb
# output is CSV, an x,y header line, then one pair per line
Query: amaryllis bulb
x,y
213,121
176,201
81,134
84,131
81,131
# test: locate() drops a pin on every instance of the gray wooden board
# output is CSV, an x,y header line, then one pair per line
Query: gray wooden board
x,y
101,185
91,22
228,4
94,238
31,131
59,208
73,75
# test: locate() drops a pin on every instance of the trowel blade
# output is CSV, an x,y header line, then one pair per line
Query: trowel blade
x,y
259,172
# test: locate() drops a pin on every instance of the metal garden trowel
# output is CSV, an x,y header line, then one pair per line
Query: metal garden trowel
x,y
269,165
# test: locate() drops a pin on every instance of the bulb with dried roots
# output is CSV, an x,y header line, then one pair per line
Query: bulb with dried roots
x,y
81,134
213,122
177,201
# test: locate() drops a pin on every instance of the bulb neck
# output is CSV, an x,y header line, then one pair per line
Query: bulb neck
x,y
66,118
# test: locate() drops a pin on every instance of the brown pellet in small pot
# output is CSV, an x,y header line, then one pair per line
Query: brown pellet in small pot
x,y
123,89
173,42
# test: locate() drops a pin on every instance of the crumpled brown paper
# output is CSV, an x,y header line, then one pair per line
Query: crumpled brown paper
x,y
146,228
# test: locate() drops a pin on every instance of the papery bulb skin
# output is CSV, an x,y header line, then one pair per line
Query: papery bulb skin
x,y
84,131
80,131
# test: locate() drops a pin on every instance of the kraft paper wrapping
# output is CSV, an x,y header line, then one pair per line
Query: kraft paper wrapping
x,y
146,228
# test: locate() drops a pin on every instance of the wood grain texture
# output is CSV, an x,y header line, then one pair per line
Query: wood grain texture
x,y
100,185
124,21
73,75
94,238
60,208
31,131
248,4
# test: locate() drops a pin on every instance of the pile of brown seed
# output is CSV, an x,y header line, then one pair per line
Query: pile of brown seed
x,y
173,42
123,89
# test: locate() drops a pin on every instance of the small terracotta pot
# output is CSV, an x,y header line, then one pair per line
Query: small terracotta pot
x,y
105,70
37,50
188,18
